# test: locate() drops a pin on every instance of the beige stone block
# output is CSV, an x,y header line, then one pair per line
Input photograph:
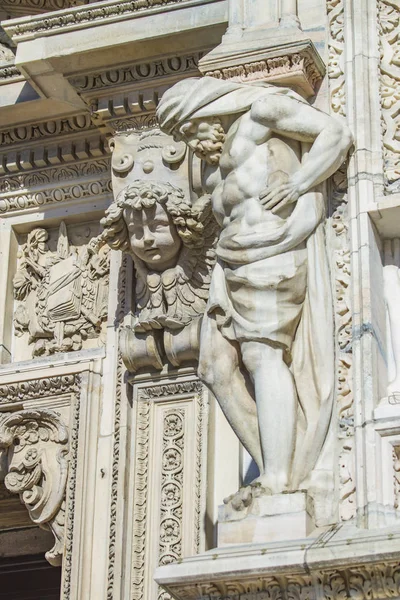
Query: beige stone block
x,y
269,519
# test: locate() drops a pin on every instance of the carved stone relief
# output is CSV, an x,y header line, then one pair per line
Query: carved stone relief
x,y
39,422
88,15
36,446
343,334
170,234
379,581
297,65
336,57
341,268
60,289
388,23
170,496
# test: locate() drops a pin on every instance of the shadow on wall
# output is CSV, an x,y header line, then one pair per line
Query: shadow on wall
x,y
27,93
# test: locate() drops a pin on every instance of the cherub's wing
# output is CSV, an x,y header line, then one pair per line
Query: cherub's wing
x,y
197,261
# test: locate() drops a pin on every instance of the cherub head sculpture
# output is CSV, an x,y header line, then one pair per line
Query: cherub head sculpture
x,y
172,246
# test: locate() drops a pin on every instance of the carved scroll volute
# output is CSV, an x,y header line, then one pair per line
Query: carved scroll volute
x,y
35,444
147,155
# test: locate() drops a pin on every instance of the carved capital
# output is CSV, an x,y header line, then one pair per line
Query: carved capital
x,y
35,444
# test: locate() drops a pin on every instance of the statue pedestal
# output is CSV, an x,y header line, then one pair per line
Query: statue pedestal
x,y
249,518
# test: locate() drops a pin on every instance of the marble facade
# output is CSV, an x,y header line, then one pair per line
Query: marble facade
x,y
143,455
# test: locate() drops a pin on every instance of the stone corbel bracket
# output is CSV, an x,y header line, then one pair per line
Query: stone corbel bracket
x,y
35,445
296,64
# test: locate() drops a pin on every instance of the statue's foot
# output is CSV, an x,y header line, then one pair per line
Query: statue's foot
x,y
271,484
244,497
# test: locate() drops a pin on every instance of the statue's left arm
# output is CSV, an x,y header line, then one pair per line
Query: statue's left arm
x,y
291,118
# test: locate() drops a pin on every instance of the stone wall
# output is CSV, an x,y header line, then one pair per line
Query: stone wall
x,y
108,436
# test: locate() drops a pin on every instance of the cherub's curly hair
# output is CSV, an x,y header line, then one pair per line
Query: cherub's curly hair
x,y
189,220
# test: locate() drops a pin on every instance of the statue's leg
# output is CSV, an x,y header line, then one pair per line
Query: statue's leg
x,y
276,401
219,369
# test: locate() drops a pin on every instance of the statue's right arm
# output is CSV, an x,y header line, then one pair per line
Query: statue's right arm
x,y
294,119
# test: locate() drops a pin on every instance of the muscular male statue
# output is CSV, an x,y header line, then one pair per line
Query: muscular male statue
x,y
266,347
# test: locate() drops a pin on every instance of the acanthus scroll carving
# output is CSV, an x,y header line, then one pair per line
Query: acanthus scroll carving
x,y
336,58
379,581
388,23
35,443
343,332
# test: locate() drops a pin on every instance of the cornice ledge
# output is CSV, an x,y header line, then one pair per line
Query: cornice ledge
x,y
10,74
364,565
34,7
295,64
90,15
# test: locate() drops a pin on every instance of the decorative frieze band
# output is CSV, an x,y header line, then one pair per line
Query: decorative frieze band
x,y
39,157
299,67
173,65
70,19
363,582
39,388
36,131
80,190
33,7
49,177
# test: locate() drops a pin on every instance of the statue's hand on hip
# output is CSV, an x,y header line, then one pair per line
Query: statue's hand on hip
x,y
274,198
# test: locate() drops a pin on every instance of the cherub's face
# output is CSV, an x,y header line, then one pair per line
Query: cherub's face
x,y
153,237
204,136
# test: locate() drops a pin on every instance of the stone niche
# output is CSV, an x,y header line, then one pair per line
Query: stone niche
x,y
60,290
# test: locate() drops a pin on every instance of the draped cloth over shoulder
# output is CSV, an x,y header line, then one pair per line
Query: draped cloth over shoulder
x,y
207,96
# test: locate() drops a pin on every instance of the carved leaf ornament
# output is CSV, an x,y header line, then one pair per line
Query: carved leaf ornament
x,y
36,446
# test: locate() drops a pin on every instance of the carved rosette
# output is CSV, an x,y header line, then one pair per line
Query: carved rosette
x,y
170,545
169,496
36,446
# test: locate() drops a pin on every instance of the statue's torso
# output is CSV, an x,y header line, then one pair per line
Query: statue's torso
x,y
253,158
